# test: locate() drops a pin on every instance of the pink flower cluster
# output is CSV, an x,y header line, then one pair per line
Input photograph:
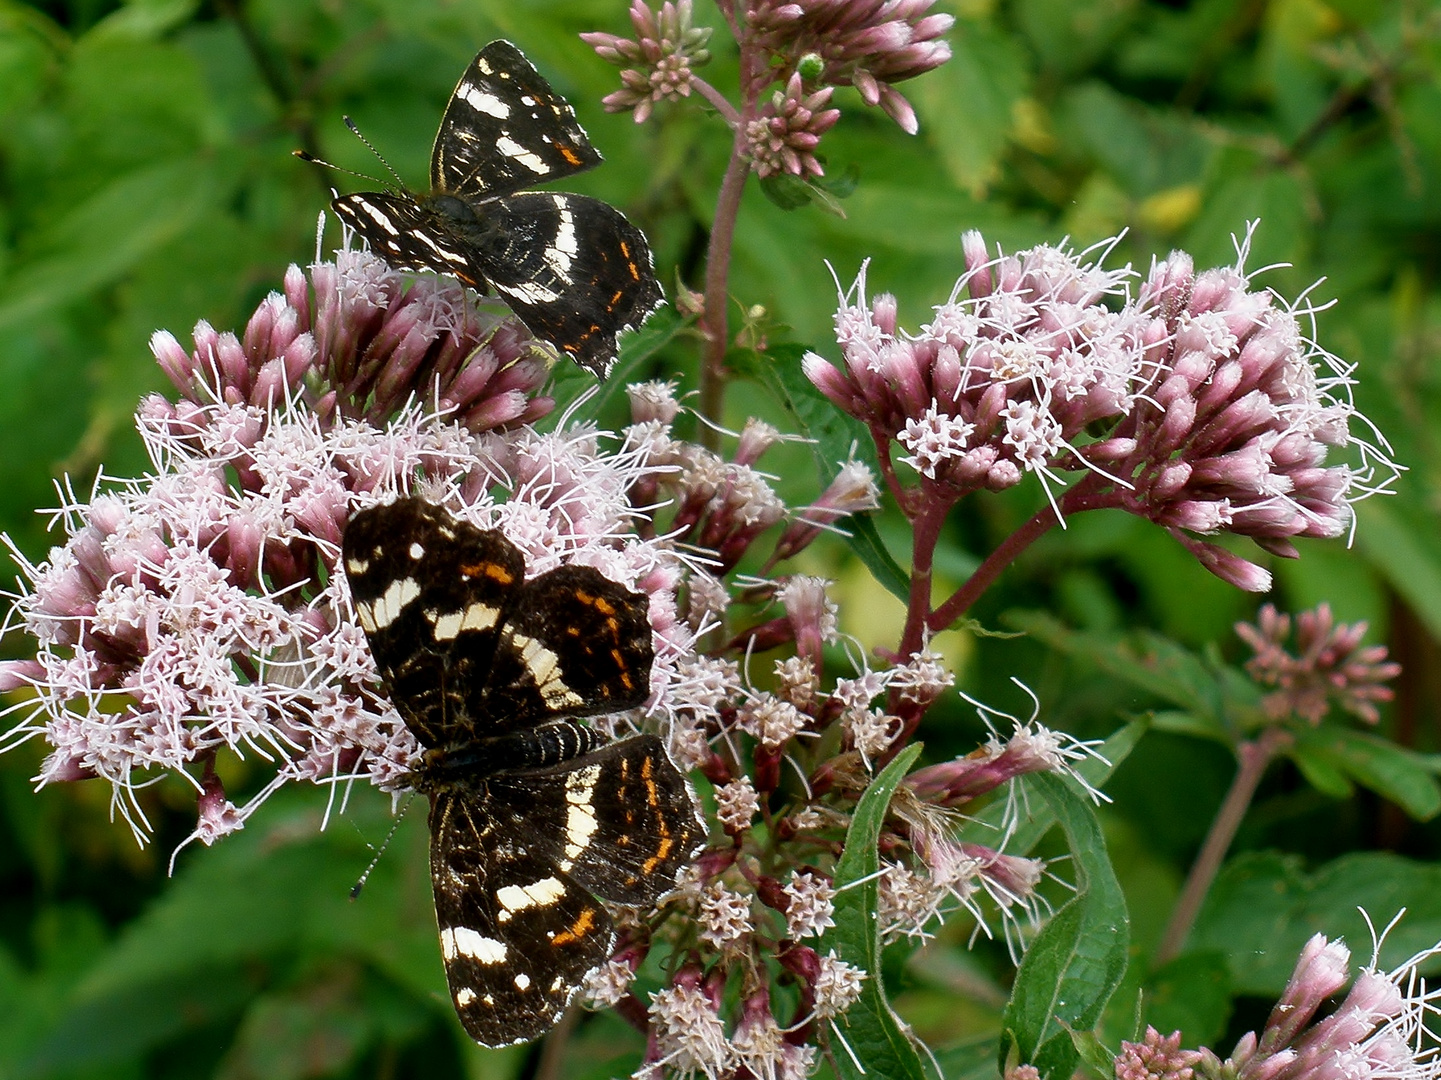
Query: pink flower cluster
x,y
1215,412
196,611
868,44
1329,665
666,50
1381,1030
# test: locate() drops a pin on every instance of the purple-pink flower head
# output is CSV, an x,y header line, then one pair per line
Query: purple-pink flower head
x,y
1199,404
1015,365
1238,422
868,44
784,136
1330,665
1156,1058
196,611
658,62
358,340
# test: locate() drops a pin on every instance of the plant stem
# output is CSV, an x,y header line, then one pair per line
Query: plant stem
x,y
1084,496
985,575
717,275
1253,757
926,535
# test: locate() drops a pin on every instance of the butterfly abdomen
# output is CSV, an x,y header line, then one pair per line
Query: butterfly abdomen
x,y
530,748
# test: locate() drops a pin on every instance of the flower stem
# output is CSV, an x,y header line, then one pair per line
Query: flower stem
x,y
1084,496
925,536
716,98
717,275
985,575
1253,758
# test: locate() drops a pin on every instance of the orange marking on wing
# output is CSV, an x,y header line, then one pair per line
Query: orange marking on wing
x,y
661,854
567,153
494,571
578,929
624,671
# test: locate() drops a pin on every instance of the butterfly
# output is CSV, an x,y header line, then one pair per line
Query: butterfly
x,y
533,815
571,267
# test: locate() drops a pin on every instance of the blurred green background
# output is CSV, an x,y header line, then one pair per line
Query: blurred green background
x,y
146,181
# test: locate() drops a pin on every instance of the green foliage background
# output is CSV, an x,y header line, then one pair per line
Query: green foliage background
x,y
146,181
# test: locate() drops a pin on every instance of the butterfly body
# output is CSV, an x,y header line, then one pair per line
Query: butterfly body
x,y
573,269
533,815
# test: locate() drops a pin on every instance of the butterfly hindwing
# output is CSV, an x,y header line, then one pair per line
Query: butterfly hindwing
x,y
575,271
620,820
516,934
505,129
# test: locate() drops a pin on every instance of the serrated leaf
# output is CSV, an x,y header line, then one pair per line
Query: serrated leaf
x,y
1375,763
837,438
870,1026
1077,960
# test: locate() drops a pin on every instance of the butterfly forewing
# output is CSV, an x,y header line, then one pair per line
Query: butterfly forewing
x,y
431,592
505,129
407,234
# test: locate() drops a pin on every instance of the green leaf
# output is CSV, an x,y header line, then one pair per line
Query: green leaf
x,y
1375,763
792,192
636,348
237,916
1155,664
1192,995
1076,962
108,234
838,438
870,1027
1263,907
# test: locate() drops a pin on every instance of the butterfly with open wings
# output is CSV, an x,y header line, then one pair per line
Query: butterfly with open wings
x,y
532,814
571,267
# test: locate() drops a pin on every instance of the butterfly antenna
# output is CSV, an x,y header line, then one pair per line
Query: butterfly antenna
x,y
355,890
369,146
305,155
